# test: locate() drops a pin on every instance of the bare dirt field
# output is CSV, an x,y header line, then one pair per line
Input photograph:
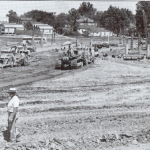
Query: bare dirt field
x,y
102,106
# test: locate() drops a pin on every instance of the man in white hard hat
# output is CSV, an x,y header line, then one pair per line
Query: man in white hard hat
x,y
13,106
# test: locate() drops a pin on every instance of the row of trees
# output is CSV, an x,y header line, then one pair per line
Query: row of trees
x,y
120,21
142,17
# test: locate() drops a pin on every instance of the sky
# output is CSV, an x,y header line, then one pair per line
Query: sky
x,y
21,7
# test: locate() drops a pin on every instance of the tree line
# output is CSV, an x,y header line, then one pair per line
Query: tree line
x,y
120,21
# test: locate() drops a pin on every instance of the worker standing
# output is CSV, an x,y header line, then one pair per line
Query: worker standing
x,y
13,106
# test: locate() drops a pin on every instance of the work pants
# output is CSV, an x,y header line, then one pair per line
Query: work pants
x,y
12,129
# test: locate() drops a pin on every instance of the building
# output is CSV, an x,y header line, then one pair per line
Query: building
x,y
88,26
44,28
86,21
10,28
100,32
23,20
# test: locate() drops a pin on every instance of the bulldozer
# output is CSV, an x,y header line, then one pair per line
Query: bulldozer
x,y
76,58
69,61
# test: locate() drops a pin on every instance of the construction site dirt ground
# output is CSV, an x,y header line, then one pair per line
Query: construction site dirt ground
x,y
105,105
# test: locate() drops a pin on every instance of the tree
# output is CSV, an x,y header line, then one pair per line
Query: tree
x,y
87,9
142,17
28,25
98,17
41,16
13,17
60,22
72,19
116,20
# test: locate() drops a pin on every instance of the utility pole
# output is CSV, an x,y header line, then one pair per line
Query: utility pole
x,y
42,37
131,46
76,39
32,36
52,37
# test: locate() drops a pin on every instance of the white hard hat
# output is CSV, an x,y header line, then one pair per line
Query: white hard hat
x,y
12,90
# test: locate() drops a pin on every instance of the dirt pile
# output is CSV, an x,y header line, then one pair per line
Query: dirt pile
x,y
104,141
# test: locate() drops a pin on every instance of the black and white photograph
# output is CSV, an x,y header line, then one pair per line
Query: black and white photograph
x,y
75,75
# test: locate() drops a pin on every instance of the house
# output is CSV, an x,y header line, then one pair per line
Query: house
x,y
86,25
94,31
86,21
83,28
10,28
37,24
100,32
23,20
44,28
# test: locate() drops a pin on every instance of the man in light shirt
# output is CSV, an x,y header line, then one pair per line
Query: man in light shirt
x,y
13,106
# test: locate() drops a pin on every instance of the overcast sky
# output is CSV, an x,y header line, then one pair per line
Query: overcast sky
x,y
20,7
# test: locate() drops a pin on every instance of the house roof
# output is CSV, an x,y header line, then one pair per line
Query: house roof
x,y
13,26
45,27
42,25
84,19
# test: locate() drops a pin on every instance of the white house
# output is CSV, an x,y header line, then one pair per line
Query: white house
x,y
88,25
44,28
100,32
10,28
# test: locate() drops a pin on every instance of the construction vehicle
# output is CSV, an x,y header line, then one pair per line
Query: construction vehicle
x,y
22,58
10,57
69,62
76,58
6,58
17,48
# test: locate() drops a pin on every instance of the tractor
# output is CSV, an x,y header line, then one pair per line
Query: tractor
x,y
75,58
69,61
